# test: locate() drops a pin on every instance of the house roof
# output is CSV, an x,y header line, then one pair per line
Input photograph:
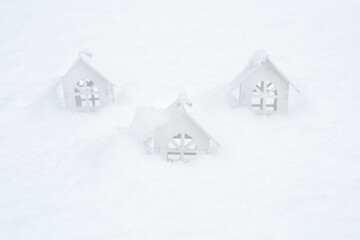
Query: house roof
x,y
99,67
180,111
147,121
182,99
255,63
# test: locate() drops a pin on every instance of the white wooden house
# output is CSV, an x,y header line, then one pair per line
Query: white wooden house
x,y
262,87
84,88
172,133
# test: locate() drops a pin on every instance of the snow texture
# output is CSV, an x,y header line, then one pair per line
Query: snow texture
x,y
69,175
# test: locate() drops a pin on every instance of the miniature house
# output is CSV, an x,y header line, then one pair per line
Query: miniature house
x,y
84,88
172,133
262,87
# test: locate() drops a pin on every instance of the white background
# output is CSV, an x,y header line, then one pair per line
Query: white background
x,y
67,175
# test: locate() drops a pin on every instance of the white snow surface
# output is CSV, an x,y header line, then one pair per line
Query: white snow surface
x,y
68,175
145,122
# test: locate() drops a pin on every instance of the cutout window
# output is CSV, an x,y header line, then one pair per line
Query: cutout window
x,y
86,94
181,148
264,97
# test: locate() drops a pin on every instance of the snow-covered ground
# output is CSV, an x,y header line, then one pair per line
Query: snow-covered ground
x,y
67,175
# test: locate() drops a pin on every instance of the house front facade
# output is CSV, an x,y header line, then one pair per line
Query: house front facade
x,y
181,139
262,87
85,89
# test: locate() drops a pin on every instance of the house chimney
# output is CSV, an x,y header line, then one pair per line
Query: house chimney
x,y
183,99
85,52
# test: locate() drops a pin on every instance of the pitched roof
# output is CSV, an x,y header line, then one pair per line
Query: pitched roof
x,y
180,111
256,61
147,121
182,99
97,66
